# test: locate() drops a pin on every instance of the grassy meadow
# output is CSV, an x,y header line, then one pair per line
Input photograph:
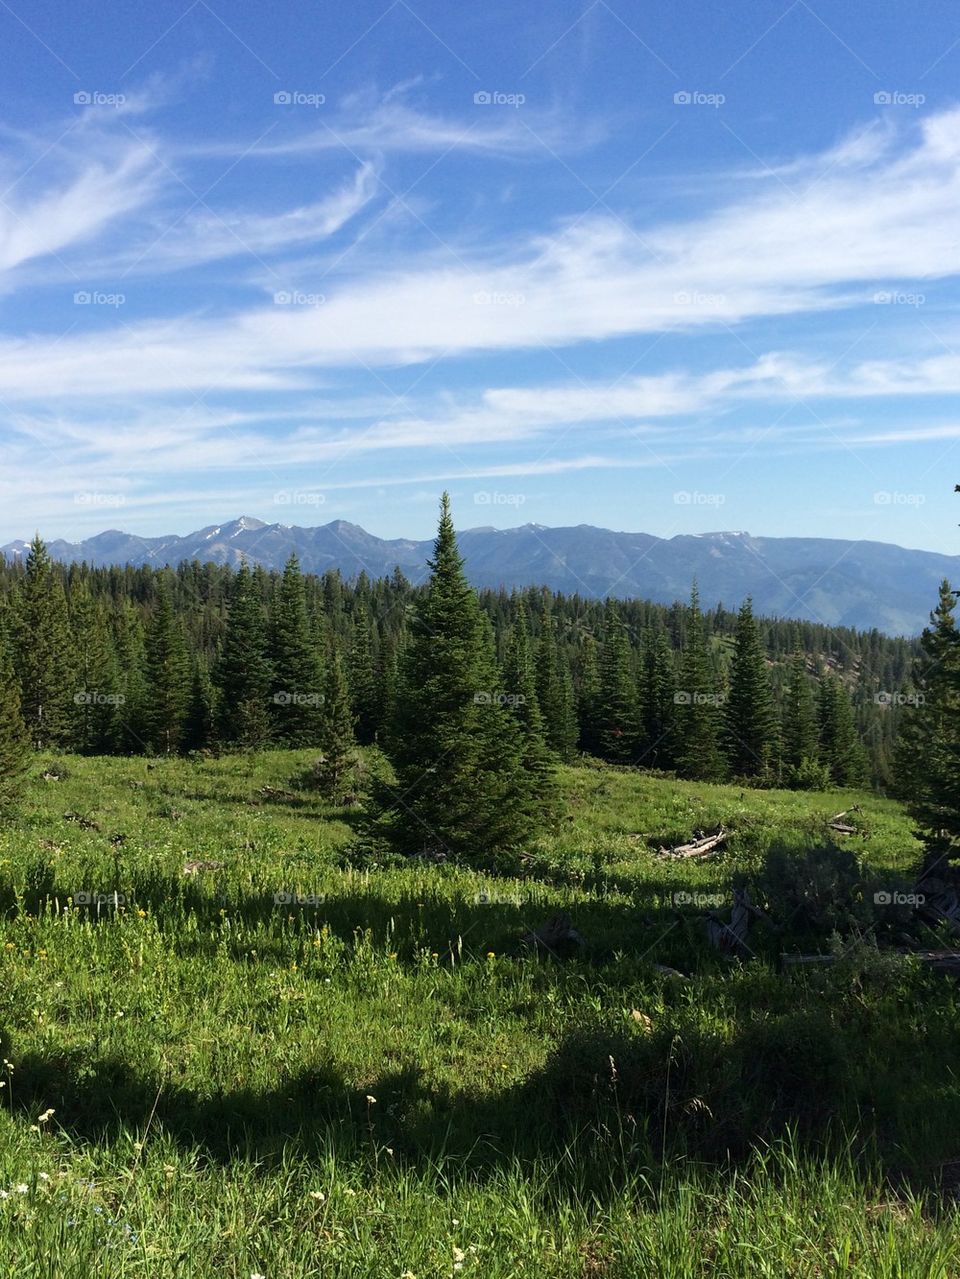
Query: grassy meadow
x,y
308,1062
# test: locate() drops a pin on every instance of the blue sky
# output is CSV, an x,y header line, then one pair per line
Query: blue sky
x,y
671,269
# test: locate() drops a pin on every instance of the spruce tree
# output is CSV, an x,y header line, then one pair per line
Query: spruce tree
x,y
554,687
617,709
461,789
658,687
364,691
588,696
801,744
43,653
14,739
200,722
100,711
698,699
928,753
337,741
298,678
242,674
840,750
749,720
167,673
518,679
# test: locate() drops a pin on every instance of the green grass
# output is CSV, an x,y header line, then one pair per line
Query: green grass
x,y
378,1081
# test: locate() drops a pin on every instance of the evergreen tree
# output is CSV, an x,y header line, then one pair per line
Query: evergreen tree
x,y
617,709
552,697
200,723
588,696
298,679
928,755
698,699
457,751
518,679
242,675
801,739
657,701
749,720
337,741
43,653
99,703
364,691
14,739
840,750
167,678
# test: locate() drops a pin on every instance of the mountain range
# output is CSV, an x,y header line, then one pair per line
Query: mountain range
x,y
841,583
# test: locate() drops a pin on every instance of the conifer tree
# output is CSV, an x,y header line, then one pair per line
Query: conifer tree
x,y
551,695
801,744
43,653
658,687
242,675
14,739
167,677
588,696
337,741
698,698
200,723
617,710
749,719
461,789
928,754
840,750
364,692
518,679
98,704
296,705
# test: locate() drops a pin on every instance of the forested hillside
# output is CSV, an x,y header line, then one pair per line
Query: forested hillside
x,y
140,659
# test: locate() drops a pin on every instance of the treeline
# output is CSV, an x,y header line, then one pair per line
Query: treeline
x,y
129,660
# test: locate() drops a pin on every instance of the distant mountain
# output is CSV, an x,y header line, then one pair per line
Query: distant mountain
x,y
861,584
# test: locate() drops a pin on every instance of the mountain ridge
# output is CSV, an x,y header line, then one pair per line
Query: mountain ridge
x,y
863,584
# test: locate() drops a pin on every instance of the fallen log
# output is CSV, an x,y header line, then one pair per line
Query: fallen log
x,y
940,961
700,846
939,903
731,938
843,828
837,816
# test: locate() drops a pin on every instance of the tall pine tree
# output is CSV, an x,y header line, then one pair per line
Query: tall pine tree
x,y
43,653
461,789
242,674
749,720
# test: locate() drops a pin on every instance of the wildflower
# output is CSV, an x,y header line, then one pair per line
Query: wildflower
x,y
351,1193
22,1188
371,1101
44,1176
42,1119
142,914
491,954
318,1195
4,1194
458,1255
10,946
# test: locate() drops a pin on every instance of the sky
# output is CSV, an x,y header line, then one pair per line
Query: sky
x,y
672,268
